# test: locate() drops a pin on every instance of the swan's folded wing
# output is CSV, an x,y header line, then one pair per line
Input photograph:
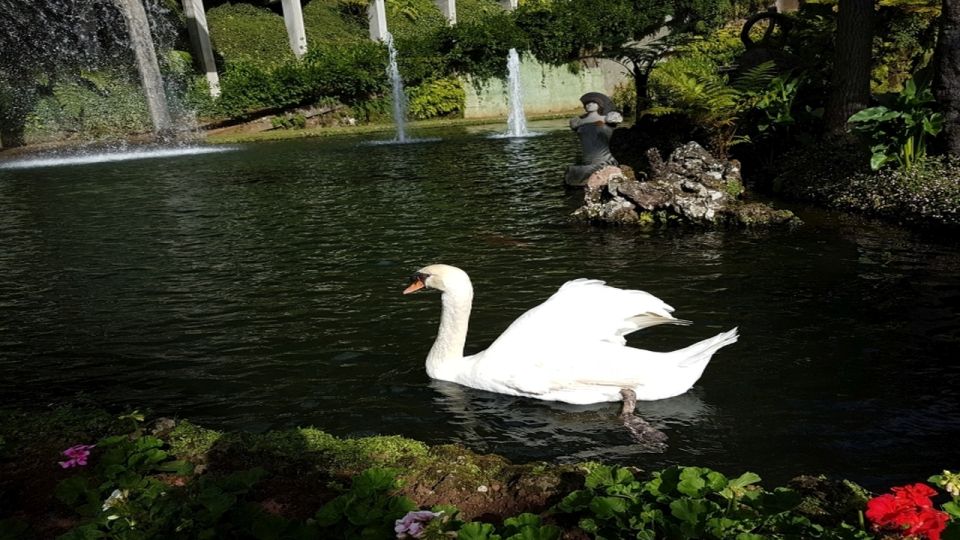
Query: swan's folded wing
x,y
584,311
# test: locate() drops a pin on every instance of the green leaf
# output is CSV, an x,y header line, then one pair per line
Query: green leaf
x,y
176,467
588,524
607,507
601,476
216,501
374,480
575,501
952,508
878,160
691,482
72,490
477,531
332,512
781,500
933,124
545,532
525,519
744,480
691,511
360,512
867,115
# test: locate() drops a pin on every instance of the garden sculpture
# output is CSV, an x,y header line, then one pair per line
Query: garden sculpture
x,y
594,128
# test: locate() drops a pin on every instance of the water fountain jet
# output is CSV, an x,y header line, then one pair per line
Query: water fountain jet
x,y
516,119
399,97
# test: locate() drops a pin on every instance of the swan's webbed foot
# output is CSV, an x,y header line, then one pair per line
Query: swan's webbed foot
x,y
629,402
647,436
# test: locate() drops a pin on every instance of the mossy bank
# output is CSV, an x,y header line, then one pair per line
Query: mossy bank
x,y
135,477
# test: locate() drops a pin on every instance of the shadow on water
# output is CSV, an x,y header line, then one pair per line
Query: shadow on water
x,y
260,289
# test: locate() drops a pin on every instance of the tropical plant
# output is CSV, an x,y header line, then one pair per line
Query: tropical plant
x,y
716,105
898,132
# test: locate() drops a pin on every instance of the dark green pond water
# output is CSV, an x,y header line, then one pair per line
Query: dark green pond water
x,y
260,288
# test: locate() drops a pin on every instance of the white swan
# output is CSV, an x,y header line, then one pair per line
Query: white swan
x,y
570,348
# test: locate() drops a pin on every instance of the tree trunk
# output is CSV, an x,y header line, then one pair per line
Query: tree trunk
x,y
946,84
850,90
641,82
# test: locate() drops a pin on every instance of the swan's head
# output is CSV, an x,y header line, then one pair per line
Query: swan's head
x,y
441,277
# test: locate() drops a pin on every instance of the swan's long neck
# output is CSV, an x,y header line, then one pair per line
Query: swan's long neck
x,y
454,318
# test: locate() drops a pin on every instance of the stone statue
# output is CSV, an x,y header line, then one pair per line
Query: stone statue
x,y
594,128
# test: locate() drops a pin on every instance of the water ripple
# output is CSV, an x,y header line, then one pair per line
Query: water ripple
x,y
260,288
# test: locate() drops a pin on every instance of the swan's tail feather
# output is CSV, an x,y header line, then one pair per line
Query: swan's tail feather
x,y
646,320
702,351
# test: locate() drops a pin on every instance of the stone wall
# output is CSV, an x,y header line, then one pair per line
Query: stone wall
x,y
546,89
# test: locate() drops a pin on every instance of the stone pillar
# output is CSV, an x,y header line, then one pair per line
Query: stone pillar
x,y
787,6
293,17
141,41
377,13
449,10
200,39
509,5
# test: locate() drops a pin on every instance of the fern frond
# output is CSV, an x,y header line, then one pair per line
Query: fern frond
x,y
660,111
756,78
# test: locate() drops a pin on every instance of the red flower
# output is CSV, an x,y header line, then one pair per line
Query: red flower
x,y
918,494
908,511
885,510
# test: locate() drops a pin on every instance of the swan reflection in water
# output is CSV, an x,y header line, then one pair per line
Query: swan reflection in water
x,y
532,429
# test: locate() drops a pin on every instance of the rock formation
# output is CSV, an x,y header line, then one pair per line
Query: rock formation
x,y
690,187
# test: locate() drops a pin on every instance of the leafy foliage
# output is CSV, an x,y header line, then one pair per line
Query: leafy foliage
x,y
442,97
690,503
133,488
717,106
367,510
97,105
898,132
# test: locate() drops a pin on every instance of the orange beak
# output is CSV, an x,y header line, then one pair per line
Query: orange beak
x,y
414,287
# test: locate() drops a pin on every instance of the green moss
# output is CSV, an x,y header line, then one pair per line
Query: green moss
x,y
191,441
733,188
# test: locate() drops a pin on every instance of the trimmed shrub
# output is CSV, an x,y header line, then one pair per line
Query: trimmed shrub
x,y
441,97
248,34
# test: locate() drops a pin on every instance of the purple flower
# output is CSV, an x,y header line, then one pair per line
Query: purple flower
x,y
78,455
413,524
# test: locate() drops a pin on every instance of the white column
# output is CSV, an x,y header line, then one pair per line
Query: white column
x,y
786,6
200,37
509,5
449,10
141,40
293,17
377,13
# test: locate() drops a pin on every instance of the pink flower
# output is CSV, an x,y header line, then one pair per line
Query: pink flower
x,y
78,455
413,524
